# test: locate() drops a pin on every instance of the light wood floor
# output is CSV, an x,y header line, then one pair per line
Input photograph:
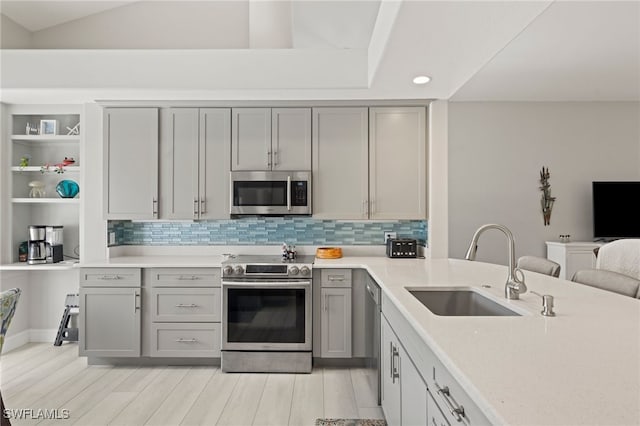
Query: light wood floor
x,y
42,376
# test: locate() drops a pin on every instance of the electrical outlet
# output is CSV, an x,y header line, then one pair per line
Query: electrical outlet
x,y
389,234
112,238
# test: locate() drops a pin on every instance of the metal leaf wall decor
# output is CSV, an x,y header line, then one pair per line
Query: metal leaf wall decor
x,y
547,200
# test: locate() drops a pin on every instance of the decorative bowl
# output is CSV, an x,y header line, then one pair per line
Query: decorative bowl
x,y
67,188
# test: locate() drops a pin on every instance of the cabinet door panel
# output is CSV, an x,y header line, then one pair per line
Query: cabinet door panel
x,y
390,378
336,323
397,156
110,322
340,163
413,392
291,138
215,154
131,163
179,163
251,139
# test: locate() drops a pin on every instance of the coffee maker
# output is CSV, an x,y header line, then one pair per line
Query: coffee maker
x,y
37,251
53,244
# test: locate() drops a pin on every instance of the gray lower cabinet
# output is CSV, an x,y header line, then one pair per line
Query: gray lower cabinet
x,y
335,313
421,391
110,312
185,340
184,312
404,393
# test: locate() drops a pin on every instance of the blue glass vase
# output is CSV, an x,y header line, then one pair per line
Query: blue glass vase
x,y
67,188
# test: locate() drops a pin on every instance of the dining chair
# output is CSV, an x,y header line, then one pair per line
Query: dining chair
x,y
8,303
539,264
608,280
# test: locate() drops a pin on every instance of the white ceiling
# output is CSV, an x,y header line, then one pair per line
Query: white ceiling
x,y
473,50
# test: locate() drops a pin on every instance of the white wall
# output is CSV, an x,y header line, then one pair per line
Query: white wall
x,y
154,25
496,151
13,35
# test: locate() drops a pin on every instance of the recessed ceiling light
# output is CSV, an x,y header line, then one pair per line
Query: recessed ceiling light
x,y
421,79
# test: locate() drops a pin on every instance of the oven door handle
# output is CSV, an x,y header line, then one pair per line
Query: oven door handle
x,y
267,284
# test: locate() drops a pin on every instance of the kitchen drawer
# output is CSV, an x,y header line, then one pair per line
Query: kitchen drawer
x,y
110,277
449,396
335,277
434,415
185,304
185,340
184,277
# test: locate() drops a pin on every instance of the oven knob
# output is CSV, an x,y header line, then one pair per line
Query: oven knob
x,y
238,270
228,270
304,270
293,270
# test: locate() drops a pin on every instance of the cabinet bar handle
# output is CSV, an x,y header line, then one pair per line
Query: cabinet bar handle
x,y
181,340
186,305
188,278
395,374
110,277
275,157
136,305
155,207
326,302
269,158
391,358
203,204
335,278
289,193
457,412
195,207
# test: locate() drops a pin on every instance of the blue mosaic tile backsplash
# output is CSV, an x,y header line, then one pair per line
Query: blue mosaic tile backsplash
x,y
264,231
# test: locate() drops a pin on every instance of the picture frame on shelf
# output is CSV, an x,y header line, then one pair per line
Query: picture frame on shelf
x,y
48,127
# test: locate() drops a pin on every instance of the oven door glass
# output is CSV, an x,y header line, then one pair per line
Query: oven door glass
x,y
265,315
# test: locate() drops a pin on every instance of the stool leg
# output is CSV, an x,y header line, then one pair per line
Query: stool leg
x,y
63,324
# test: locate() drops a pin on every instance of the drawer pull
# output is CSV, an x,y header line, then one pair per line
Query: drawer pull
x,y
188,278
457,412
395,374
186,305
110,277
336,277
181,340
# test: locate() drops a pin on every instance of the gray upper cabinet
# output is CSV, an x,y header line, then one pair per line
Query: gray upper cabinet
x,y
271,139
194,166
340,163
397,168
131,163
291,139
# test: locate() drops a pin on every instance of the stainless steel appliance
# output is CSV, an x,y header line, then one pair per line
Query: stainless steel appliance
x,y
266,314
402,247
36,251
372,335
270,193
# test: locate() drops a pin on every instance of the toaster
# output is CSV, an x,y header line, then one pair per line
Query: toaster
x,y
402,248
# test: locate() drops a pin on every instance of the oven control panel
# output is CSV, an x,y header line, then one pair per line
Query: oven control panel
x,y
266,270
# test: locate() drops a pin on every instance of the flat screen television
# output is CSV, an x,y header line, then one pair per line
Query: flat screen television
x,y
615,210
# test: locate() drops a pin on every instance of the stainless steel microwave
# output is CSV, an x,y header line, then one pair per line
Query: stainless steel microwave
x,y
270,193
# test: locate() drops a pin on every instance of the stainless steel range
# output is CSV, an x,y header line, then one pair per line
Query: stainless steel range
x,y
266,314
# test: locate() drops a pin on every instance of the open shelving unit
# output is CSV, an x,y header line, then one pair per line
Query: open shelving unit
x,y
43,151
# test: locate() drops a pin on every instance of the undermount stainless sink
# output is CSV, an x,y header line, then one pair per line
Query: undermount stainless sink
x,y
460,302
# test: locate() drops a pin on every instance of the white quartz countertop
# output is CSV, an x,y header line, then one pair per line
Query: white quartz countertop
x,y
580,367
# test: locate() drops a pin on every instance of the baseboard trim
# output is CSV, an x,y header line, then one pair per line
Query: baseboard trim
x,y
32,335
